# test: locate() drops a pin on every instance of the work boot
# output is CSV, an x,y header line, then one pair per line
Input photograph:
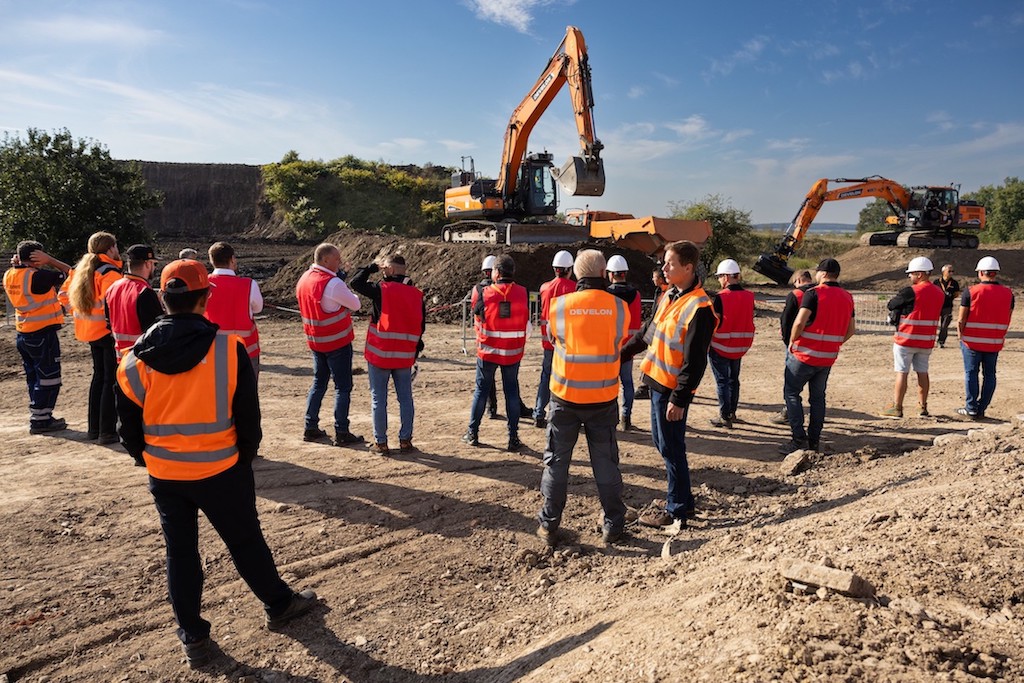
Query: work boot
x,y
54,425
105,439
314,434
721,422
199,653
548,534
380,449
347,439
610,536
792,446
782,418
627,423
514,444
540,422
472,438
405,445
300,604
493,414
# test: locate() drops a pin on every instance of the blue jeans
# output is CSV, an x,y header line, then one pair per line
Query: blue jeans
x,y
975,361
337,365
599,423
40,357
670,440
484,381
799,375
544,388
228,500
727,380
379,401
626,378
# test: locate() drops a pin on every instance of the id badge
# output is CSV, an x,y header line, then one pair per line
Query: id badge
x,y
504,309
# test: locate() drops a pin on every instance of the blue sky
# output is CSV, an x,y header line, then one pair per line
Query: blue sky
x,y
750,100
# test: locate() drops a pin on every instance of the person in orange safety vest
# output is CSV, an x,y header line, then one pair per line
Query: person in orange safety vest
x,y
38,316
588,328
189,409
982,324
823,324
920,308
95,273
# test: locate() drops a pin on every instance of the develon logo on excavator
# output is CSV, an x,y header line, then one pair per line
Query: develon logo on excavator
x,y
851,193
542,87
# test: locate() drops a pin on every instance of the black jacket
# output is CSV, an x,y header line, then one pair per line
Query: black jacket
x,y
790,311
176,344
695,351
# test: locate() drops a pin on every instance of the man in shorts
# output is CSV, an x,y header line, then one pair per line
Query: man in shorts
x,y
919,306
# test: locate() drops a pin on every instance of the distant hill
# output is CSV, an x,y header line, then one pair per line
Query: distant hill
x,y
834,228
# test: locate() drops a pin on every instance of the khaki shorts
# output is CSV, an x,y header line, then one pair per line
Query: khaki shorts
x,y
907,358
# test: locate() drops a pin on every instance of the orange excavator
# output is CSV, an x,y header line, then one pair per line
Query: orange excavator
x,y
923,217
521,204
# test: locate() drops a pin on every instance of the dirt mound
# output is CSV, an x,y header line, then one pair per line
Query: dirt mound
x,y
445,271
884,268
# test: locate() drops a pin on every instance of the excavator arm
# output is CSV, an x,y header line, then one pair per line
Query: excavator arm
x,y
774,264
582,175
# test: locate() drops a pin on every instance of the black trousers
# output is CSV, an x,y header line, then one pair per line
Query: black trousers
x,y
102,416
229,501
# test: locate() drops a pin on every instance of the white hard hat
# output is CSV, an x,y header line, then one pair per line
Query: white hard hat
x,y
728,267
920,264
488,262
617,264
563,259
987,263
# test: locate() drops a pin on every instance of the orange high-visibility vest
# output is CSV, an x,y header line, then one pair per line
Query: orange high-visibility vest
x,y
549,290
735,332
122,298
32,312
988,318
664,359
92,324
324,331
919,327
229,309
391,341
589,328
503,340
187,418
819,343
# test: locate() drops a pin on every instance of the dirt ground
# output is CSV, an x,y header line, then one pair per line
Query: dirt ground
x,y
429,570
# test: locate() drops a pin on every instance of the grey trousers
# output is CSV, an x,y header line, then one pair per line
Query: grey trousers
x,y
599,424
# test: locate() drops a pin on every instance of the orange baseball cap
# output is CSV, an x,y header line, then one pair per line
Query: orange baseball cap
x,y
184,275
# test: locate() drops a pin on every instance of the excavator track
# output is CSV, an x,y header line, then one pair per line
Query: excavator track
x,y
488,232
927,239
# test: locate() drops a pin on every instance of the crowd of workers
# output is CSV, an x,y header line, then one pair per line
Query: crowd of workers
x,y
175,372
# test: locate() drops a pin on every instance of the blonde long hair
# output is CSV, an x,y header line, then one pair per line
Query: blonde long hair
x,y
82,292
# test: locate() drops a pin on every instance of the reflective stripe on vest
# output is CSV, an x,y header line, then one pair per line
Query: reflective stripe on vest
x,y
664,358
122,309
391,341
549,291
918,328
324,331
735,332
589,328
231,311
32,312
503,340
819,343
186,450
988,317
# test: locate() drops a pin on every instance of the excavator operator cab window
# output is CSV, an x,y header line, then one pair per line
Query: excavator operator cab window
x,y
542,197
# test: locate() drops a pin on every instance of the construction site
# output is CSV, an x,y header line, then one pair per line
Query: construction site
x,y
427,565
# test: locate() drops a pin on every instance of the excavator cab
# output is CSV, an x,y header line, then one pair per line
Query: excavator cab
x,y
582,176
537,194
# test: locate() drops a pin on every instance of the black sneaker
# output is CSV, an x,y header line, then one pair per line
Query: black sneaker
x,y
540,422
610,536
721,422
627,424
471,438
347,438
54,425
104,439
814,446
791,446
494,415
300,604
314,435
199,653
514,444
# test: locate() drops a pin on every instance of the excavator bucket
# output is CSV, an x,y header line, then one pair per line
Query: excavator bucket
x,y
582,176
772,267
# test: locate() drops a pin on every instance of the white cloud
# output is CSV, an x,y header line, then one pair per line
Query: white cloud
x,y
738,134
747,54
636,92
790,145
517,14
693,127
666,79
941,120
70,30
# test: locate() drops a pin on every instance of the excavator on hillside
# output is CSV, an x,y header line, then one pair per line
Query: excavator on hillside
x,y
521,204
923,217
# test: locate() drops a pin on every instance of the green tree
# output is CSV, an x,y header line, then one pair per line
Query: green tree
x,y
59,190
1004,210
872,217
731,230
